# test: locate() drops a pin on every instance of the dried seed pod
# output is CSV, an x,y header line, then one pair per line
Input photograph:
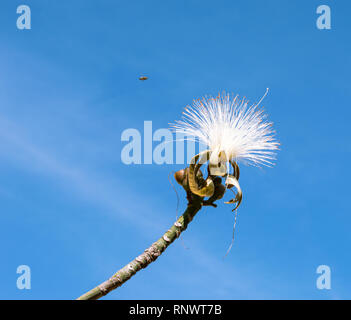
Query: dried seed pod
x,y
208,189
236,169
180,175
231,182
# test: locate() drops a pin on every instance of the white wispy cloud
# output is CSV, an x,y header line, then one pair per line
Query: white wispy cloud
x,y
107,193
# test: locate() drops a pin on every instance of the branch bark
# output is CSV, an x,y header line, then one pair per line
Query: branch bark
x,y
149,255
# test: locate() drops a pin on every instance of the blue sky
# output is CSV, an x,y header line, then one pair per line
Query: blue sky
x,y
73,212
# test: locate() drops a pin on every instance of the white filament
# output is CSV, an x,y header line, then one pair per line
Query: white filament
x,y
231,126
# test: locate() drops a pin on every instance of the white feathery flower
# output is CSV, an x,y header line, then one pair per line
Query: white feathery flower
x,y
230,126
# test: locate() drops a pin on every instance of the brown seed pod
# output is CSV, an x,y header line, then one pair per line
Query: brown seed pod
x,y
180,176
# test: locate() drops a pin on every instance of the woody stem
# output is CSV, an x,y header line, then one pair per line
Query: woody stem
x,y
149,255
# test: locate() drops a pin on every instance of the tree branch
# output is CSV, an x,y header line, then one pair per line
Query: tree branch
x,y
149,255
